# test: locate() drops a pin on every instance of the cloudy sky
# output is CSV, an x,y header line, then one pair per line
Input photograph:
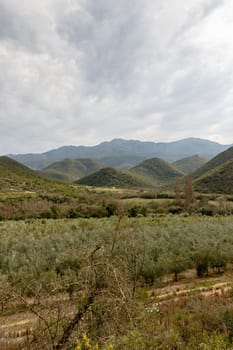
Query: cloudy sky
x,y
83,71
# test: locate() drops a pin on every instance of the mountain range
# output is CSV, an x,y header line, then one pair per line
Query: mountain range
x,y
214,176
120,153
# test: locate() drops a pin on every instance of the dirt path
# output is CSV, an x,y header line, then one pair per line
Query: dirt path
x,y
202,289
24,322
176,292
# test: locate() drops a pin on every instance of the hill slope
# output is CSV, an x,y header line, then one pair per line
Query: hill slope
x,y
127,149
18,178
72,169
157,171
214,163
218,180
10,168
190,164
109,177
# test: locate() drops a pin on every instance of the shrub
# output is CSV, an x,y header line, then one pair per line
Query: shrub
x,y
111,209
207,211
175,210
227,318
143,211
133,212
55,211
73,213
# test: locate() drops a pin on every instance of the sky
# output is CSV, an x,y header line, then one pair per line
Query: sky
x,y
79,72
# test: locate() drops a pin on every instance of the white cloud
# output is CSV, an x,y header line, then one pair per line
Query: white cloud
x,y
83,71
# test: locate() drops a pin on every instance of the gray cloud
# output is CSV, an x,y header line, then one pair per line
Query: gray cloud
x,y
83,71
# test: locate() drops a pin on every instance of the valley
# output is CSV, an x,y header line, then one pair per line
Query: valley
x,y
98,257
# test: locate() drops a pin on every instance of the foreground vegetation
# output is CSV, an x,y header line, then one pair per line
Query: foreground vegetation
x,y
101,280
86,202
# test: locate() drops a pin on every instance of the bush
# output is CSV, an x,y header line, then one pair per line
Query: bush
x,y
73,213
133,212
207,211
55,211
111,209
175,210
227,318
144,211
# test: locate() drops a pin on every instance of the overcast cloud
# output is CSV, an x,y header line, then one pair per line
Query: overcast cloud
x,y
84,71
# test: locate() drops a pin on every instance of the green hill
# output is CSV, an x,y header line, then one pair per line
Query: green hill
x,y
215,162
157,171
190,164
109,177
15,177
10,168
217,180
72,169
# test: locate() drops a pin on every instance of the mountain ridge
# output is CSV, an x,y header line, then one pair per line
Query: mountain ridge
x,y
128,149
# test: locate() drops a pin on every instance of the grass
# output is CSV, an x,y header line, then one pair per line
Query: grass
x,y
145,201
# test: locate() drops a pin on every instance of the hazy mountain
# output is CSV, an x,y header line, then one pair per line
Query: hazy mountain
x,y
190,164
123,162
72,169
125,153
